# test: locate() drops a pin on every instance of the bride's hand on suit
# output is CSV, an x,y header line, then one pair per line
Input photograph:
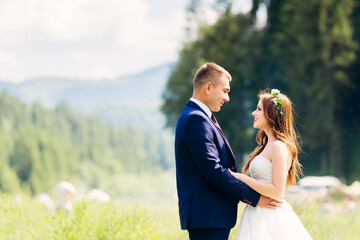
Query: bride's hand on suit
x,y
268,202
264,201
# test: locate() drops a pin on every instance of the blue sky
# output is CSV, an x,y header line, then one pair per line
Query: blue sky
x,y
90,39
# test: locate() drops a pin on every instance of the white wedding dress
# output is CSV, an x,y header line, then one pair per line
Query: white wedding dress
x,y
258,223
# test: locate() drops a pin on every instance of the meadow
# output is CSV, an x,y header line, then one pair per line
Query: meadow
x,y
139,219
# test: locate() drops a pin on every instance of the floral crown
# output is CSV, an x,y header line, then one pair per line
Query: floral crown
x,y
275,93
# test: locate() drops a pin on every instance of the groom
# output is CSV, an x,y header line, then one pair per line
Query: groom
x,y
208,194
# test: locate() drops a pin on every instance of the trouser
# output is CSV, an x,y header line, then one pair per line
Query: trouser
x,y
209,234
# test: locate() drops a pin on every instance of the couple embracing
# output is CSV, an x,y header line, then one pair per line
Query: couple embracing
x,y
208,184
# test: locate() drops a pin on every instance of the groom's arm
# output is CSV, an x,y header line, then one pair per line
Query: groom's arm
x,y
200,138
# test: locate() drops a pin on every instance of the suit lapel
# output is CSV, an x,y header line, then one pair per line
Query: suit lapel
x,y
194,105
225,140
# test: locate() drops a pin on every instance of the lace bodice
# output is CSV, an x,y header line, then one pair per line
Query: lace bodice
x,y
261,169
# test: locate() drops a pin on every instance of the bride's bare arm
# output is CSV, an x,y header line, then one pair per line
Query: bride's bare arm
x,y
280,166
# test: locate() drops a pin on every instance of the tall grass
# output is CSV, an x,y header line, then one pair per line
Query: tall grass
x,y
140,219
116,220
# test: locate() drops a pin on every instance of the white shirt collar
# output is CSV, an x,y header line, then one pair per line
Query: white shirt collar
x,y
203,106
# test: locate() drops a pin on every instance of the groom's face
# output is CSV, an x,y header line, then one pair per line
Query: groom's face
x,y
219,94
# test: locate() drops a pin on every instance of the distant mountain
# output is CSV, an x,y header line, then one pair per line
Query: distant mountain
x,y
130,100
143,87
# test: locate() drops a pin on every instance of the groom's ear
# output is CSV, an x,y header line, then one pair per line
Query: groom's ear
x,y
207,87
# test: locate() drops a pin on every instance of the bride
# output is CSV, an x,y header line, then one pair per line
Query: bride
x,y
273,166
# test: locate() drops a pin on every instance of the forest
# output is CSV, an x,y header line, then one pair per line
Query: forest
x,y
310,50
42,146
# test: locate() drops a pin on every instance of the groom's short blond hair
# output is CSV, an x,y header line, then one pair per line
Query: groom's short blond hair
x,y
209,72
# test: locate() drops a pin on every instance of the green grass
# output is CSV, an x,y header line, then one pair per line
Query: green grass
x,y
139,219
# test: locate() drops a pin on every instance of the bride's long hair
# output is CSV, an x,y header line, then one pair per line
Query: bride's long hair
x,y
282,127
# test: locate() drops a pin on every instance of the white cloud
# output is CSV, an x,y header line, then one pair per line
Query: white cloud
x,y
8,63
110,36
8,59
140,44
69,19
15,18
89,38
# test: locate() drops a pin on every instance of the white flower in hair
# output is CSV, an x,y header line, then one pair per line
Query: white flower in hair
x,y
275,91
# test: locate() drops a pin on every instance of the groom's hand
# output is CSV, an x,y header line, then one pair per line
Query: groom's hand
x,y
267,202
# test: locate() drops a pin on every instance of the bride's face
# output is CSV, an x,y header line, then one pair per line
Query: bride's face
x,y
259,118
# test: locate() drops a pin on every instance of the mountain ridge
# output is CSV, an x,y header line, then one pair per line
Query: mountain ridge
x,y
126,100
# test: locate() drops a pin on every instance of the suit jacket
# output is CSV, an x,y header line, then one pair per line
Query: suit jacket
x,y
208,194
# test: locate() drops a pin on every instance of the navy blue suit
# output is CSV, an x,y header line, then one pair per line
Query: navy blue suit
x,y
208,194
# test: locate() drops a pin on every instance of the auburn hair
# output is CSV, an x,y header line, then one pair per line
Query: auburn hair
x,y
282,127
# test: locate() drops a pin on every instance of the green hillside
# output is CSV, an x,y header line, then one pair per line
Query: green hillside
x,y
41,146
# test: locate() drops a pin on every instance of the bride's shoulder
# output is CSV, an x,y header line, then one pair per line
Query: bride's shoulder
x,y
279,144
279,147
